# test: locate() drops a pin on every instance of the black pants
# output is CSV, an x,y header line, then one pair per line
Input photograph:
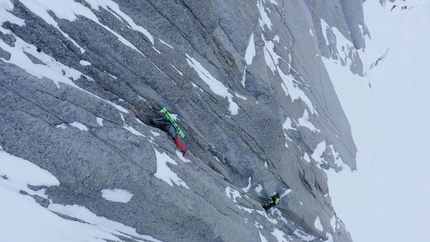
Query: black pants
x,y
267,207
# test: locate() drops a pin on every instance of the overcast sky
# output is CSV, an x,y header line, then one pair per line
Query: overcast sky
x,y
387,199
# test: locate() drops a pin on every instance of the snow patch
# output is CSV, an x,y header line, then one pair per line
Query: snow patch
x,y
15,176
305,122
280,236
264,19
246,189
324,27
250,50
258,189
306,158
163,171
319,151
51,69
20,173
291,89
337,159
113,8
129,128
270,56
195,86
287,124
318,224
166,44
233,194
288,84
174,67
343,45
80,126
155,134
105,227
333,223
115,105
41,8
243,77
99,121
156,50
262,238
181,157
84,63
133,131
285,193
259,226
216,86
5,15
329,237
61,126
240,96
273,2
216,158
117,195
298,232
304,236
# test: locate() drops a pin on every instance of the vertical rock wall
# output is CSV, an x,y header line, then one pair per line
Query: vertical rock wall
x,y
248,85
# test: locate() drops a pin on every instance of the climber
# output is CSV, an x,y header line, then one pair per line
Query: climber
x,y
274,200
167,126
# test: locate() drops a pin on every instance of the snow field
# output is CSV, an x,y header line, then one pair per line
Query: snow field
x,y
386,199
22,213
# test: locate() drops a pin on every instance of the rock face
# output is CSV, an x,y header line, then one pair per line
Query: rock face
x,y
81,82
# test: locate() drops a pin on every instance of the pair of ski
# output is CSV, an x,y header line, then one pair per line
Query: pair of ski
x,y
169,117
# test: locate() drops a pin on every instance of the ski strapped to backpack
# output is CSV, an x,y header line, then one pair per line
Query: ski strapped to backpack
x,y
169,117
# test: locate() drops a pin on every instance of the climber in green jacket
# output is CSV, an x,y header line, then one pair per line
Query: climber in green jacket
x,y
274,200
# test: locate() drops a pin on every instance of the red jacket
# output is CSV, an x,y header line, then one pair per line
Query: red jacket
x,y
180,145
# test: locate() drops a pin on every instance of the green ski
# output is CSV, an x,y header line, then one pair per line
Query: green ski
x,y
166,112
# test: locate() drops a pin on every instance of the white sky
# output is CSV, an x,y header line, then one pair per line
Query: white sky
x,y
387,199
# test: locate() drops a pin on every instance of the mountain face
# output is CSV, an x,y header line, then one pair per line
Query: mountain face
x,y
81,80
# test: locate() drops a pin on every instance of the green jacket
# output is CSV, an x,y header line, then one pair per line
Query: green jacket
x,y
274,199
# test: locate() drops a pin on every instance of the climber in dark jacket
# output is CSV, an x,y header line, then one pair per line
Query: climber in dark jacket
x,y
167,126
274,200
